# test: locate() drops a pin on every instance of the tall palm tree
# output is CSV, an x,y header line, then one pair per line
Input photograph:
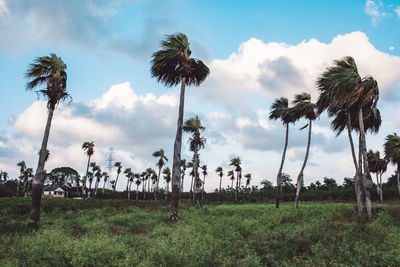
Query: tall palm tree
x,y
98,175
167,177
343,90
303,108
204,171
118,165
48,73
392,153
220,173
183,170
173,65
191,165
28,173
193,126
236,163
160,154
88,147
22,167
280,110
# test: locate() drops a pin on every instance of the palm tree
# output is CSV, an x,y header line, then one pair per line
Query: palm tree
x,y
4,175
248,179
88,147
160,154
167,177
105,177
236,163
131,177
183,166
127,172
172,65
22,167
28,173
343,90
280,110
220,173
231,174
303,108
137,182
49,74
204,168
392,153
193,126
118,165
378,166
98,175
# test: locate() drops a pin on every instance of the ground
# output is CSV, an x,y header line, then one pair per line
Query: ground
x,y
121,233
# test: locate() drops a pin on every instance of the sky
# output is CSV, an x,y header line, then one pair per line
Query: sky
x,y
257,51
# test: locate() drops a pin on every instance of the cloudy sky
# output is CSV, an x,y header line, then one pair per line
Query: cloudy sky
x,y
256,51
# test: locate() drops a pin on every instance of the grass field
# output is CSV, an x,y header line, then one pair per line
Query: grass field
x,y
120,233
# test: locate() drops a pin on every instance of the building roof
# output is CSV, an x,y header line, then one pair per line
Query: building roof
x,y
53,188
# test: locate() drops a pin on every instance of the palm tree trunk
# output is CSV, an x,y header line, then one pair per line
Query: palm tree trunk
x,y
38,180
176,165
367,181
191,190
359,192
84,191
300,176
137,192
115,185
279,176
104,186
19,185
25,188
158,181
127,184
380,186
220,192
197,188
149,186
96,187
202,192
181,188
90,188
166,191
398,178
129,192
237,188
378,189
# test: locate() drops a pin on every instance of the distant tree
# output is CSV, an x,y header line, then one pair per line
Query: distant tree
x,y
173,65
287,185
280,110
231,175
105,179
160,154
236,162
22,167
348,183
64,177
167,177
137,182
329,183
183,169
204,171
88,147
118,165
220,173
392,153
266,185
128,173
248,179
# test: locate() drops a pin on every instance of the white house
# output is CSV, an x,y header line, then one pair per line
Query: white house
x,y
52,191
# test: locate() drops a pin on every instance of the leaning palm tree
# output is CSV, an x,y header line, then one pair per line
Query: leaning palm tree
x,y
303,108
160,154
236,163
98,175
191,165
105,178
220,173
392,153
49,74
231,174
28,173
343,90
204,171
127,172
118,165
374,163
173,65
137,182
22,167
167,177
280,110
88,147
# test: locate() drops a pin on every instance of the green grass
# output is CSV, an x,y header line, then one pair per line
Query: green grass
x,y
120,233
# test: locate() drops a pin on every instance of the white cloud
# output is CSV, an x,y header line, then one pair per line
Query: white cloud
x,y
374,9
391,48
397,10
3,8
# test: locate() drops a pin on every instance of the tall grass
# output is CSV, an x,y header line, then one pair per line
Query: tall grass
x,y
138,233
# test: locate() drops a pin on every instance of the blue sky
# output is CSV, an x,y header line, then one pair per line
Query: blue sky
x,y
106,43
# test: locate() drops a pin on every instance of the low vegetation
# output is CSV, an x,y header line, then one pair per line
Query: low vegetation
x,y
130,233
